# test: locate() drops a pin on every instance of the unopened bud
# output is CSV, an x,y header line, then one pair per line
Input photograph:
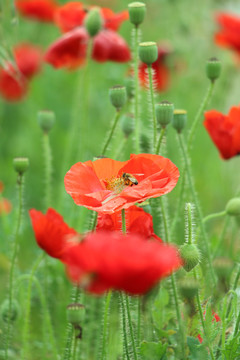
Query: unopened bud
x,y
13,314
20,164
233,207
127,124
179,120
93,22
118,96
46,120
213,69
148,52
75,313
164,113
190,256
137,11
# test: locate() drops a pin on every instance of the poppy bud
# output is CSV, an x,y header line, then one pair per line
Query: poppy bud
x,y
179,120
14,311
127,124
118,96
75,314
223,267
145,143
213,69
148,52
137,11
46,120
20,164
93,22
190,256
233,207
188,288
164,113
129,83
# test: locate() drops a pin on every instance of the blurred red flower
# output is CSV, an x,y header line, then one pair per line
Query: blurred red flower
x,y
161,74
41,10
224,131
137,222
99,185
229,33
108,260
52,234
28,59
5,204
13,85
215,318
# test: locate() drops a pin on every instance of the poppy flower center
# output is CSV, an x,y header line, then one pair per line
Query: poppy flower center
x,y
115,184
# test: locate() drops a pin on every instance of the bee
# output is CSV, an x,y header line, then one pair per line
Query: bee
x,y
129,179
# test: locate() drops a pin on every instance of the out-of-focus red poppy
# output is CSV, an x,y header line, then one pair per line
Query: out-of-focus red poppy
x,y
52,234
161,73
13,85
41,10
108,260
28,59
224,131
229,33
5,206
215,318
100,186
137,222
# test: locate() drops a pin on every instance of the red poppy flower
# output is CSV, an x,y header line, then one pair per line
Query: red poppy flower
x,y
215,318
137,222
13,85
41,10
51,232
229,34
28,59
161,74
5,206
108,260
224,131
99,185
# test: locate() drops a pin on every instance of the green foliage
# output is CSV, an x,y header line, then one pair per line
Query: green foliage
x,y
232,348
197,351
153,350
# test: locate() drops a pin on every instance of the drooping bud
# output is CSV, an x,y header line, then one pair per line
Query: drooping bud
x,y
164,113
13,315
20,164
179,120
148,52
190,256
129,83
127,124
137,11
118,96
93,22
75,313
46,120
213,69
233,207
188,287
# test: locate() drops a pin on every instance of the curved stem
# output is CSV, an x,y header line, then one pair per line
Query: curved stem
x,y
136,94
109,138
214,216
163,130
153,106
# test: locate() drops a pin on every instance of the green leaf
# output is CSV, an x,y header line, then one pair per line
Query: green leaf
x,y
232,349
153,350
197,350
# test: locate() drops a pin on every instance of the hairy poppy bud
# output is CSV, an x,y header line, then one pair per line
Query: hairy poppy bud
x,y
5,311
148,52
46,120
233,207
188,288
164,113
137,11
190,256
75,313
213,69
20,164
118,96
179,120
93,22
127,124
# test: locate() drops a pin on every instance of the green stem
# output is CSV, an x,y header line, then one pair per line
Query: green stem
x,y
163,130
199,113
198,209
109,138
180,201
124,325
136,87
48,170
153,106
13,261
214,216
74,352
105,325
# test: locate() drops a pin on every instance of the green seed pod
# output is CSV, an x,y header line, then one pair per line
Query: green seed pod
x,y
20,164
179,120
129,83
127,124
145,143
233,207
14,311
213,69
75,314
190,256
93,22
164,113
137,11
148,52
188,287
46,120
118,96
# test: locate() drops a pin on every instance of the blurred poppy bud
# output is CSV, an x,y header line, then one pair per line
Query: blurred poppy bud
x,y
188,288
179,120
20,164
213,69
75,314
118,96
46,120
6,316
137,11
93,22
164,113
148,52
190,256
127,124
233,207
